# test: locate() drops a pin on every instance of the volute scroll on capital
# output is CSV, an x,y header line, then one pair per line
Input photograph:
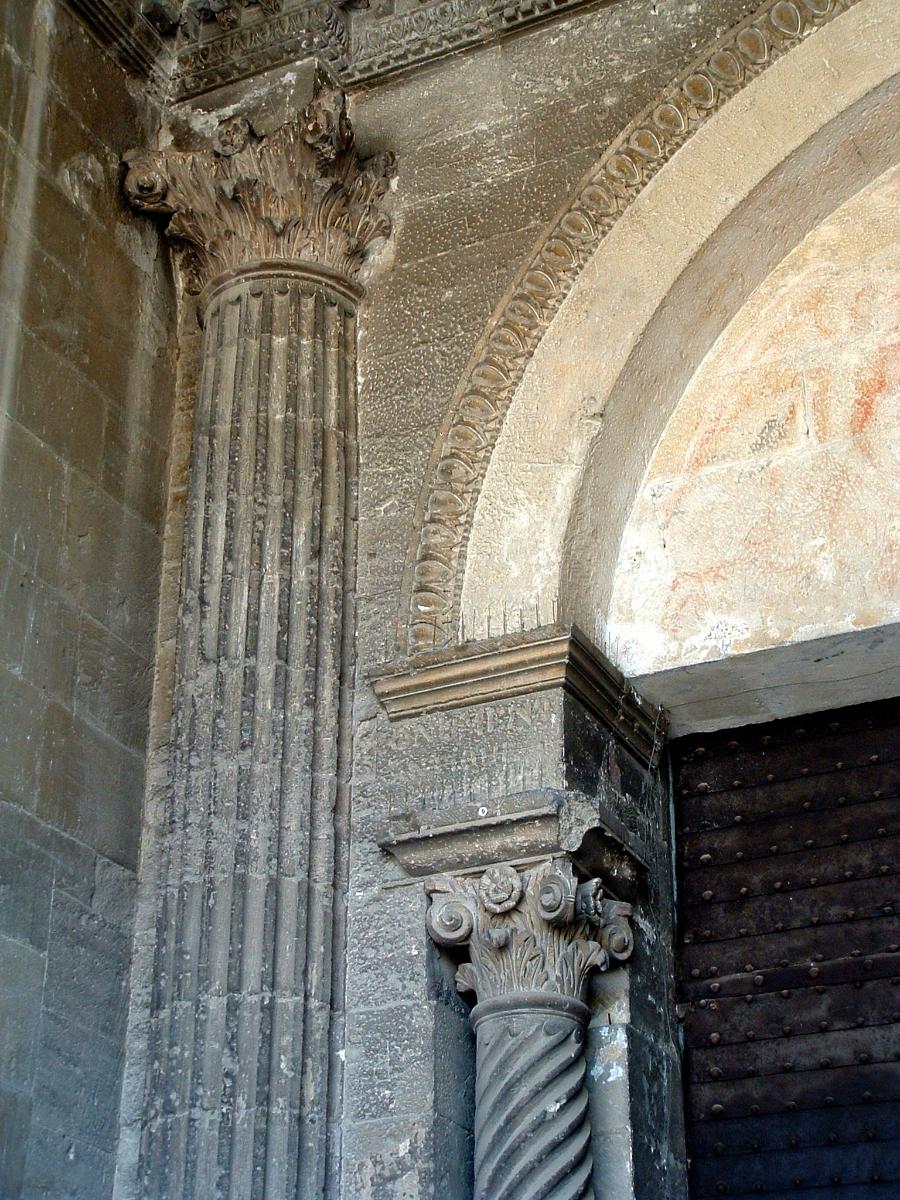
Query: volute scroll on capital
x,y
529,931
299,195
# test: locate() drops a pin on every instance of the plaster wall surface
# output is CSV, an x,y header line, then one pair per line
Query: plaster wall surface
x,y
85,387
768,512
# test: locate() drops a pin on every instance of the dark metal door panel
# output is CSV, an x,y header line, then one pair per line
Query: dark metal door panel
x,y
789,956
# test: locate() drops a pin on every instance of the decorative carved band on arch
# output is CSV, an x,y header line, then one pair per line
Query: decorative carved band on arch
x,y
432,585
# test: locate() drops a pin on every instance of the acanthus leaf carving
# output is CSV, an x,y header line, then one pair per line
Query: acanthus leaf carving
x,y
531,931
301,194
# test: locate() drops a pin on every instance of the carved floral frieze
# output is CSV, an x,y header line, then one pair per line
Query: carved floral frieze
x,y
380,47
283,37
301,194
528,931
223,41
432,588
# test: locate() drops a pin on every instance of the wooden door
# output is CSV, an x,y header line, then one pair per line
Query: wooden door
x,y
789,971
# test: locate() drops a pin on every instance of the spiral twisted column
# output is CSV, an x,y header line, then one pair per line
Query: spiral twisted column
x,y
533,1135
533,940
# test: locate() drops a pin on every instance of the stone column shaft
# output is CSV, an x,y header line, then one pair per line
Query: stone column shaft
x,y
532,1133
241,1079
250,870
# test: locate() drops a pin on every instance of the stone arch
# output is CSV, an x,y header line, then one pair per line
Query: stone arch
x,y
642,216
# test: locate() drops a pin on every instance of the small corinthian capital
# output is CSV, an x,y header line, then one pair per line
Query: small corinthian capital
x,y
528,931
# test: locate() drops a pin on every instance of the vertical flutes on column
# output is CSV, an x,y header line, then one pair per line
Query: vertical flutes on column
x,y
237,1039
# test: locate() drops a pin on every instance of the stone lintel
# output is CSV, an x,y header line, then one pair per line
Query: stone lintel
x,y
524,828
553,656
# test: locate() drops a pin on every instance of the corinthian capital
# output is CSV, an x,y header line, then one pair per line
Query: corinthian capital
x,y
534,931
300,194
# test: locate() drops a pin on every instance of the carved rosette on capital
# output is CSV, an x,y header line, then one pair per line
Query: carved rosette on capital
x,y
533,937
243,895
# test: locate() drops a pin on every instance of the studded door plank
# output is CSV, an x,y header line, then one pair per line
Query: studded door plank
x,y
789,956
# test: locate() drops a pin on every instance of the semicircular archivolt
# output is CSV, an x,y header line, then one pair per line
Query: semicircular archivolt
x,y
433,579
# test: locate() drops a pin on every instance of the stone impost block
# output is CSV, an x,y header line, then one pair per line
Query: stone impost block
x,y
516,664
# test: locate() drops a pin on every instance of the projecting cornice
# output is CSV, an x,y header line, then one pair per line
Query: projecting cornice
x,y
299,196
360,46
517,664
317,31
192,47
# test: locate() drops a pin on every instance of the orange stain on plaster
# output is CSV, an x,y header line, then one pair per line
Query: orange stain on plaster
x,y
867,393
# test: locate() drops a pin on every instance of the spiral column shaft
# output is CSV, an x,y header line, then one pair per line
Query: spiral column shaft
x,y
532,1130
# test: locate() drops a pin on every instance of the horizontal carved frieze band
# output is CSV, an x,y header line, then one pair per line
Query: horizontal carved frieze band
x,y
430,607
384,47
318,29
517,664
377,46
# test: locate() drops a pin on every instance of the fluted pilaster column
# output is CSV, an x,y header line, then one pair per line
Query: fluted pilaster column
x,y
533,939
247,896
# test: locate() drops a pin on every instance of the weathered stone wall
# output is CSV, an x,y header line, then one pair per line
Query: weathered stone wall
x,y
490,144
85,399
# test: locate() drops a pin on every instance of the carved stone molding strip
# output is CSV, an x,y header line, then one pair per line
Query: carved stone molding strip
x,y
515,837
318,29
126,35
514,665
383,47
432,586
521,828
377,47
